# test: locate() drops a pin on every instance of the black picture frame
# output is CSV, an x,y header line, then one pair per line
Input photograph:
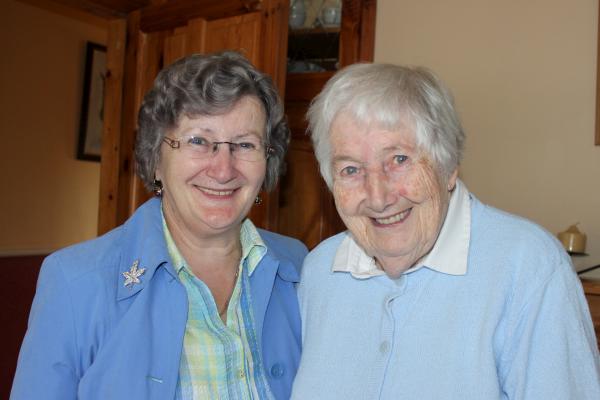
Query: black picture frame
x,y
89,146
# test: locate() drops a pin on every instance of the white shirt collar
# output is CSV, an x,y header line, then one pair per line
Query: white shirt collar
x,y
448,255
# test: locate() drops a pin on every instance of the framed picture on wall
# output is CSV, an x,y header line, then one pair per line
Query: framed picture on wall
x,y
91,121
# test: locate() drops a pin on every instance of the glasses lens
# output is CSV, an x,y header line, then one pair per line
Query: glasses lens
x,y
250,149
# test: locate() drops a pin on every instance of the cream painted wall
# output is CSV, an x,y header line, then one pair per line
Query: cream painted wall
x,y
49,198
523,74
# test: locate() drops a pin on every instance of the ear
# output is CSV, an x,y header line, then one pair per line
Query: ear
x,y
452,180
157,169
157,174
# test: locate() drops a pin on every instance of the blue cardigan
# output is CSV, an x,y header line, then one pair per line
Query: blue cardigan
x,y
90,337
515,326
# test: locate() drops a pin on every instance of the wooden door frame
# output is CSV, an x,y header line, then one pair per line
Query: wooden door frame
x,y
118,183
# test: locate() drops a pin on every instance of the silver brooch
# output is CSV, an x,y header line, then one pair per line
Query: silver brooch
x,y
132,276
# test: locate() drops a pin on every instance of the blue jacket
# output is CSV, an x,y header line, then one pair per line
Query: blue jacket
x,y
90,337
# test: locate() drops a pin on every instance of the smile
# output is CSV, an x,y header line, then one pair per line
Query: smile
x,y
394,218
216,192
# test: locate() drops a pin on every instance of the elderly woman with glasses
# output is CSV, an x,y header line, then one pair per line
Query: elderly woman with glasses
x,y
187,299
430,294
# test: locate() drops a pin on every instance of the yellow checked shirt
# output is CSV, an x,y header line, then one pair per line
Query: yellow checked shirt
x,y
221,361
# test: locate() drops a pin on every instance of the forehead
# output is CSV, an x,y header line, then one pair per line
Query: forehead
x,y
349,134
247,115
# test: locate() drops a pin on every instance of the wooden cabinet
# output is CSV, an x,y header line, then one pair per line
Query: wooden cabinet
x,y
159,33
592,294
151,38
306,208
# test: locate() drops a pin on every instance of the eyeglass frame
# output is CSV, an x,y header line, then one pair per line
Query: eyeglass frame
x,y
176,144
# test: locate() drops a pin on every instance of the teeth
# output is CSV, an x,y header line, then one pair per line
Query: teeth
x,y
393,218
218,192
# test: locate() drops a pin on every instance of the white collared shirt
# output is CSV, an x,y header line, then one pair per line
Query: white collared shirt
x,y
448,255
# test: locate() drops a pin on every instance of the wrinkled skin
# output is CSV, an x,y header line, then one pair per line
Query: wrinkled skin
x,y
390,196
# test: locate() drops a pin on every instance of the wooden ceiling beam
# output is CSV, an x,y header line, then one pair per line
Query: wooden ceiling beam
x,y
178,12
106,9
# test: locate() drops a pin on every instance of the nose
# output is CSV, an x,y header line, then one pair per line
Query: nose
x,y
221,165
379,194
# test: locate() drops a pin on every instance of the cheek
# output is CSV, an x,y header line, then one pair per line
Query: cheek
x,y
345,201
258,175
429,192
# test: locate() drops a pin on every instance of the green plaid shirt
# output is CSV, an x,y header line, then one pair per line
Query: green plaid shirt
x,y
221,361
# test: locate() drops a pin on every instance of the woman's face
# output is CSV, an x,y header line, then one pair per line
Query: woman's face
x,y
213,194
390,196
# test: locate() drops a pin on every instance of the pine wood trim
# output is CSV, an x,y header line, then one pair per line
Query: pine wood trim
x,y
591,287
274,33
367,30
113,96
172,14
75,11
357,33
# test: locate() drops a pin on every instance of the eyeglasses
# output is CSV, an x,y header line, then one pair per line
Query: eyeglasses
x,y
197,147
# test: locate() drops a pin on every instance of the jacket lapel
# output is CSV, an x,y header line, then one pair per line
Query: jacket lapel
x,y
143,250
263,280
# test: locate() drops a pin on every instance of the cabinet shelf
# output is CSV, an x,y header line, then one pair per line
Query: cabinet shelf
x,y
313,50
305,86
314,31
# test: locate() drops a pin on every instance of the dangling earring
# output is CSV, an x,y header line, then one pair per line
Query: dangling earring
x,y
157,188
258,200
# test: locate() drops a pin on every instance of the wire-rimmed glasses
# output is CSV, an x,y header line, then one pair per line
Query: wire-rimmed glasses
x,y
249,148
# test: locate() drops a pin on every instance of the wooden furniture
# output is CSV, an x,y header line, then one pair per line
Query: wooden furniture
x,y
306,207
146,35
151,38
157,34
592,293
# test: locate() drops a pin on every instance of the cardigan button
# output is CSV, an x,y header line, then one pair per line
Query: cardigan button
x,y
277,370
384,346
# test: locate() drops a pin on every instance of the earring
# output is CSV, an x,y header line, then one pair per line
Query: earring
x,y
258,200
157,188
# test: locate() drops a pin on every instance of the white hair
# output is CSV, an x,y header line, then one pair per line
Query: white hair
x,y
386,94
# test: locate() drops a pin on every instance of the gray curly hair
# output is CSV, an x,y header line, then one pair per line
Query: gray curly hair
x,y
208,84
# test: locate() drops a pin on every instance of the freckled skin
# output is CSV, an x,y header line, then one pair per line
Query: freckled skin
x,y
383,189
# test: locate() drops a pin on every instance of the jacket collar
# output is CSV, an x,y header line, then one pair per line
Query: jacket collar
x,y
142,245
263,279
143,242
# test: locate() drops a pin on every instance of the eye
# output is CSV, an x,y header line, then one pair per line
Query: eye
x,y
197,141
349,171
400,158
247,146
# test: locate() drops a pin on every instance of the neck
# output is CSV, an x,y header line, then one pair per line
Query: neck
x,y
206,252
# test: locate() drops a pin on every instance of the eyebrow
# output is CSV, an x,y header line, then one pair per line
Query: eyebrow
x,y
337,159
387,149
213,133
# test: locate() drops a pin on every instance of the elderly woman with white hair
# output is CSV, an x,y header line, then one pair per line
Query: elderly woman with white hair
x,y
430,294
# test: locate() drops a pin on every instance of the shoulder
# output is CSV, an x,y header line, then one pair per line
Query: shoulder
x,y
514,245
84,258
326,249
284,247
318,262
522,235
97,256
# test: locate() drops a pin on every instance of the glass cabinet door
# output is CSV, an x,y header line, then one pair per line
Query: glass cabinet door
x,y
314,35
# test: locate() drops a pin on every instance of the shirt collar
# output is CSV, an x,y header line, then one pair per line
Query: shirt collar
x,y
253,247
448,255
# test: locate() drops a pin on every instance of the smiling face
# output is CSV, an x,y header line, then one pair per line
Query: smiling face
x,y
390,196
212,195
